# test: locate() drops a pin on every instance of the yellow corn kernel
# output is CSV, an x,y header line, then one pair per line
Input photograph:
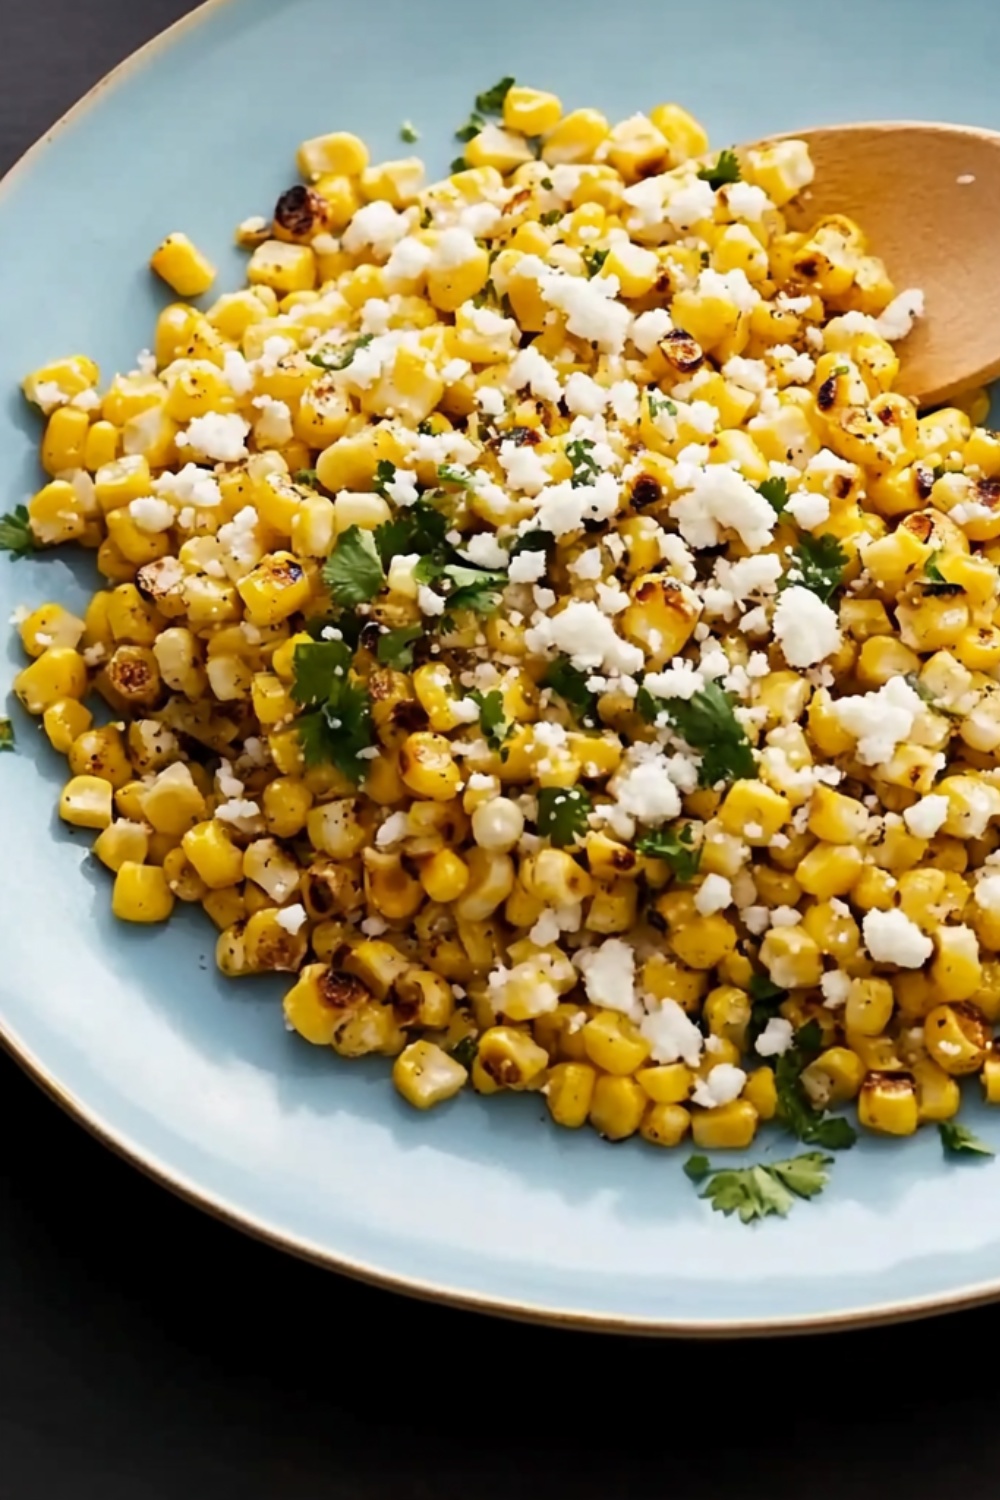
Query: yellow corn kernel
x,y
576,138
829,870
122,842
141,894
64,721
428,767
272,702
425,1075
50,625
869,1006
617,1107
338,154
761,1091
938,1095
444,876
833,1078
569,1093
685,136
703,942
636,149
173,803
614,1044
991,1078
269,947
888,1103
86,802
275,589
754,812
65,439
731,1126
284,268
665,1124
507,1059
956,969
667,1083
336,829
267,864
56,515
791,958
60,381
835,818
182,266
957,1037
60,672
316,1006
101,753
182,878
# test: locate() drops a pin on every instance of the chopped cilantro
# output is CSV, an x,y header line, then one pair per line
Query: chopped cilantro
x,y
458,165
957,1138
395,647
16,535
547,184
767,999
756,1191
775,492
813,1128
934,581
305,476
339,359
818,566
477,589
455,474
473,125
674,846
408,132
6,735
465,1050
353,572
550,217
571,685
385,473
491,101
725,171
493,720
563,812
532,541
426,220
317,665
658,403
839,370
340,725
419,528
585,466
709,725
594,260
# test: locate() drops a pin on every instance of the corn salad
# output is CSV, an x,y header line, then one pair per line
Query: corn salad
x,y
532,622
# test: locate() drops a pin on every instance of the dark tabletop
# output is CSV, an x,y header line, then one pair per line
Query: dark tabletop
x,y
148,1353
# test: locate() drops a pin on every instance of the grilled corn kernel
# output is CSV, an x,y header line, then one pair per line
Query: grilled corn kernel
x,y
730,1126
617,1107
614,1044
869,1006
507,1059
761,1091
213,854
64,721
444,876
666,1083
957,1037
425,1075
665,1124
60,672
569,1093
141,894
938,1095
887,1103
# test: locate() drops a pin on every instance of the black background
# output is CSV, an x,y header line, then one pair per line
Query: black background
x,y
147,1352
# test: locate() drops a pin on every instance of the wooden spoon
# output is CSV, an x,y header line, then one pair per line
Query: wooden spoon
x,y
928,198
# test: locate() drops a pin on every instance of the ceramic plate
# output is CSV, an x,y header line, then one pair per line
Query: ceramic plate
x,y
194,1078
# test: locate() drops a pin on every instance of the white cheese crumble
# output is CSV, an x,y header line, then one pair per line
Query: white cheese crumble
x,y
927,816
292,918
723,1084
151,515
219,436
880,720
892,938
806,629
672,1035
719,497
714,894
776,1038
609,975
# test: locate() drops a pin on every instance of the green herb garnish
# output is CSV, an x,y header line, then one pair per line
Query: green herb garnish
x,y
550,217
395,647
6,735
585,467
571,685
594,260
818,566
418,528
767,999
458,164
659,403
674,846
454,474
466,1050
794,1108
775,492
757,1191
339,359
957,1139
493,720
476,589
305,476
563,813
340,726
353,572
708,723
408,132
16,535
473,125
491,101
725,171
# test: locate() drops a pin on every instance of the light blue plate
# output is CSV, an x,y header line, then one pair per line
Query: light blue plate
x,y
195,1079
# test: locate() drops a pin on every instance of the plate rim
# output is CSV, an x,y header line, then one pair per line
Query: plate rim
x,y
422,1289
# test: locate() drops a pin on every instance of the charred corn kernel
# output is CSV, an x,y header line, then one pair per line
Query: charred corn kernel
x,y
938,1095
665,979
887,1103
270,947
792,958
275,589
64,721
617,1107
86,802
957,1038
286,803
284,268
141,894
182,878
761,1091
614,1044
266,863
428,767
507,1059
835,818
225,908
389,886
101,753
182,266
444,876
59,673
667,1083
569,1093
425,1075
727,1013
665,1124
730,1126
317,1004
869,1006
833,1078
377,965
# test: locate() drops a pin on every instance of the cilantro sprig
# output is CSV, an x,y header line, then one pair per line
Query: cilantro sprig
x,y
775,492
491,101
818,566
563,813
767,999
659,403
725,171
593,260
571,685
676,847
419,528
493,721
813,1128
959,1140
340,724
756,1191
585,466
408,132
16,535
339,359
707,721
395,647
353,572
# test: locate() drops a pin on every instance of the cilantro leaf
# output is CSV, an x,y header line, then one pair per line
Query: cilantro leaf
x,y
585,467
458,164
725,171
594,260
317,665
491,101
305,476
532,541
6,735
794,1108
408,132
419,528
675,847
465,1050
550,217
455,474
476,589
353,572
473,125
709,725
818,566
957,1138
571,685
756,1191
339,359
931,570
767,999
385,473
16,535
775,492
493,721
658,403
563,813
934,581
395,647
